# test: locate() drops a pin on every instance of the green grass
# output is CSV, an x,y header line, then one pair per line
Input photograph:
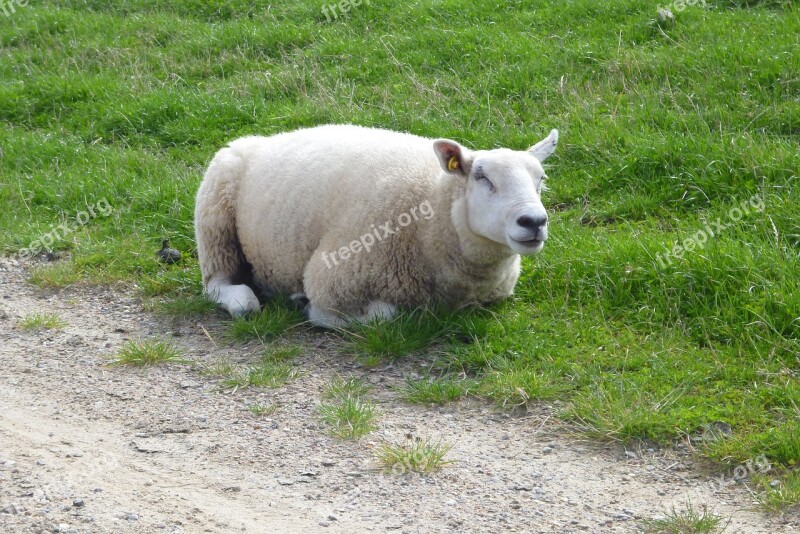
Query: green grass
x,y
146,353
688,521
417,455
259,409
274,369
435,390
779,493
348,418
345,412
183,305
665,128
417,330
42,321
275,319
350,387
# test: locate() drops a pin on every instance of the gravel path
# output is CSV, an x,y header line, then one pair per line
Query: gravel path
x,y
85,447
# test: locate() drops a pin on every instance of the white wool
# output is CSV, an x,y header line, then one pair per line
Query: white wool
x,y
299,209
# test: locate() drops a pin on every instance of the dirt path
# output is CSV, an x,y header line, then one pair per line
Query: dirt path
x,y
85,447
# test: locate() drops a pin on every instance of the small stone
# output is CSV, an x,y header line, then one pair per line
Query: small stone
x,y
324,524
131,517
548,450
631,455
10,509
775,483
328,463
332,518
78,503
286,481
40,462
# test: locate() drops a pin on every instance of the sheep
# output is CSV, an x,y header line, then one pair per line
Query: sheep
x,y
355,222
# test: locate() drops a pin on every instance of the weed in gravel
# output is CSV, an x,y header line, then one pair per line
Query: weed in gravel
x,y
260,409
219,369
146,353
688,521
274,369
348,418
417,455
345,412
42,321
436,390
341,388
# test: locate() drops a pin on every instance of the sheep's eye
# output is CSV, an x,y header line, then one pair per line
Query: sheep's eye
x,y
479,176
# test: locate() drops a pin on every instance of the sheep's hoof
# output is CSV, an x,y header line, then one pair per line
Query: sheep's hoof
x,y
300,300
238,300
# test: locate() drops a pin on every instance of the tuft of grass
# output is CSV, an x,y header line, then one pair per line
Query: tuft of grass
x,y
412,331
260,409
46,321
779,493
274,369
688,521
518,387
623,415
345,412
416,455
340,388
146,353
60,274
219,369
348,418
436,390
277,318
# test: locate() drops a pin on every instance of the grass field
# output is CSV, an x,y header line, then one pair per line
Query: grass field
x,y
667,300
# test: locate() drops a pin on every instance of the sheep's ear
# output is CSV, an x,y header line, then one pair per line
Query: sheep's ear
x,y
545,147
454,158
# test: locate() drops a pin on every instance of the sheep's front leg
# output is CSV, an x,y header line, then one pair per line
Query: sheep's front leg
x,y
237,299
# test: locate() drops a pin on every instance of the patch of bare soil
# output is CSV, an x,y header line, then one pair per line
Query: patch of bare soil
x,y
87,447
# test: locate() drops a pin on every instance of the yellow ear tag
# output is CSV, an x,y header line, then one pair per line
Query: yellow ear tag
x,y
452,164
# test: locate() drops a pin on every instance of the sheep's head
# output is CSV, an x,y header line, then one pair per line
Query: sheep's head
x,y
503,201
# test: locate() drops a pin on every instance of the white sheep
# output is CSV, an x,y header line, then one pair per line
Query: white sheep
x,y
358,221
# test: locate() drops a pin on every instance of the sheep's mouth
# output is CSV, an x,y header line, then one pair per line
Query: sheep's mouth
x,y
530,243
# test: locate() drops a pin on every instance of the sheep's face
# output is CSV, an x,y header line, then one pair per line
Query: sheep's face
x,y
503,190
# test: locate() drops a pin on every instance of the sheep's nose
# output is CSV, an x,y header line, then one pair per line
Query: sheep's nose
x,y
532,223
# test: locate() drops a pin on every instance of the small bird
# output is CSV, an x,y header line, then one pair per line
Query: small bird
x,y
168,255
